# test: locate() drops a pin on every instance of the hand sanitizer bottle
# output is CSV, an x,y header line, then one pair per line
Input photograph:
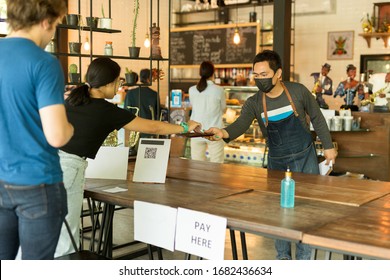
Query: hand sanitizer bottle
x,y
287,191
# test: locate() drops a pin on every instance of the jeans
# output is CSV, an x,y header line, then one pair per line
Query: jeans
x,y
283,248
73,168
31,216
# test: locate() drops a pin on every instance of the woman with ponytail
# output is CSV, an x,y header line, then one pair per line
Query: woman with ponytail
x,y
94,119
208,105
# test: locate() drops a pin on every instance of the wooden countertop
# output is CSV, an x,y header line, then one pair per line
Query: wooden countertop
x,y
364,233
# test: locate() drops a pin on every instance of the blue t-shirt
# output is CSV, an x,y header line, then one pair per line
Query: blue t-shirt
x,y
30,79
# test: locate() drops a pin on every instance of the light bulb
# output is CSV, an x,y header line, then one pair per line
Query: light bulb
x,y
147,41
236,38
86,44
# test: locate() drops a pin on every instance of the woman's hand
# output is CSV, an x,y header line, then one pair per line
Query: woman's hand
x,y
194,126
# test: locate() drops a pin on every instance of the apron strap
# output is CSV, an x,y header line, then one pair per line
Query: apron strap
x,y
265,110
289,99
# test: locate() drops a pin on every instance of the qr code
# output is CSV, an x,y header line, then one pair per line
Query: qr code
x,y
150,153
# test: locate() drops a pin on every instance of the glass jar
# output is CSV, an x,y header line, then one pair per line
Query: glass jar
x,y
108,49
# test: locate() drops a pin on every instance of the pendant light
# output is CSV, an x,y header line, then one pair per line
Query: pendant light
x,y
236,37
86,44
147,40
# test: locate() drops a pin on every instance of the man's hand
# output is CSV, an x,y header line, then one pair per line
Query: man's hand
x,y
218,134
330,155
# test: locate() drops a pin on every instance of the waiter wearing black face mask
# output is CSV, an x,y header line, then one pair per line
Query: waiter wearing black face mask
x,y
281,109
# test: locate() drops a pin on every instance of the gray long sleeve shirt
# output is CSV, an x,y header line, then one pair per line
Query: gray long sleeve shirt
x,y
304,102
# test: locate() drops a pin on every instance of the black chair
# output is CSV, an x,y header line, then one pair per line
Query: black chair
x,y
79,254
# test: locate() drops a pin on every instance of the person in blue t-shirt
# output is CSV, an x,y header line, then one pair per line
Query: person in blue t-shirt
x,y
33,124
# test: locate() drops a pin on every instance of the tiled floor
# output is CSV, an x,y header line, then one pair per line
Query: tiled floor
x,y
259,248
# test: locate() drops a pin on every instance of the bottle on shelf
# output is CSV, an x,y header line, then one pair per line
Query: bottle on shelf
x,y
287,191
108,49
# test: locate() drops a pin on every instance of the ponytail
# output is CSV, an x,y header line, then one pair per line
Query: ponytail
x,y
79,96
202,84
206,70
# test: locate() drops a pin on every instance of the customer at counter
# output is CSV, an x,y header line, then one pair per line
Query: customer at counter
x,y
322,85
208,105
280,109
93,119
33,124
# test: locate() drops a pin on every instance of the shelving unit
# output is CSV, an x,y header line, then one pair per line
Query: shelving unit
x,y
62,39
385,36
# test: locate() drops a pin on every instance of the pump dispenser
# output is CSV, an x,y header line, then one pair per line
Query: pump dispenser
x,y
287,191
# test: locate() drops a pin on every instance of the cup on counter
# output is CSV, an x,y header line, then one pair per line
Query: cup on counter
x,y
348,123
338,123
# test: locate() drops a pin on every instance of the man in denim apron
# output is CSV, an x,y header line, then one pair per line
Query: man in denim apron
x,y
281,109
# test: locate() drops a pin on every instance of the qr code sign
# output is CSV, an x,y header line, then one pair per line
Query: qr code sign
x,y
150,153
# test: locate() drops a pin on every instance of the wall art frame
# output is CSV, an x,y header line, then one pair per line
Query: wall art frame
x,y
340,45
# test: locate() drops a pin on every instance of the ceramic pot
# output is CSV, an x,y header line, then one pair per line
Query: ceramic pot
x,y
134,52
72,19
74,78
105,23
74,47
130,78
92,22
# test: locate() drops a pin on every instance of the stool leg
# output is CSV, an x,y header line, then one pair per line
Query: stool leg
x,y
243,246
234,245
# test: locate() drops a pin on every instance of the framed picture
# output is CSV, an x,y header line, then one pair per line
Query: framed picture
x,y
340,45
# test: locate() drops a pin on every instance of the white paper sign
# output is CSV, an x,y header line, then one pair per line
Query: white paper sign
x,y
155,224
200,234
109,163
152,160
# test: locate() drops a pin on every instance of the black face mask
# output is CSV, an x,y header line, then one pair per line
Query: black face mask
x,y
265,85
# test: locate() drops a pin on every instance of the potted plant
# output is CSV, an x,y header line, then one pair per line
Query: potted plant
x,y
75,47
74,76
92,22
72,19
131,77
133,50
105,22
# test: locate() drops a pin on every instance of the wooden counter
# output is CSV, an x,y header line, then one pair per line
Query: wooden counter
x,y
365,152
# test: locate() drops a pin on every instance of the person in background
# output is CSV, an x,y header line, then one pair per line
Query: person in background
x,y
281,109
322,85
349,88
93,118
33,125
208,105
144,98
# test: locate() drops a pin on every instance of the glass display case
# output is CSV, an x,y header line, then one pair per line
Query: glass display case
x,y
250,147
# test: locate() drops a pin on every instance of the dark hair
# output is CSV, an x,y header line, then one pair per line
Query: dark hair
x,y
351,67
327,66
102,71
206,70
144,76
23,14
272,57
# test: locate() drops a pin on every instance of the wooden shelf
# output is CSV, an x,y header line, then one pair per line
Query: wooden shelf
x,y
384,35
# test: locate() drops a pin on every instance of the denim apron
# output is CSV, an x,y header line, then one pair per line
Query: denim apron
x,y
290,145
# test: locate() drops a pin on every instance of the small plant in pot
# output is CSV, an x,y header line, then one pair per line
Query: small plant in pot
x,y
105,22
92,22
133,50
72,19
131,77
74,76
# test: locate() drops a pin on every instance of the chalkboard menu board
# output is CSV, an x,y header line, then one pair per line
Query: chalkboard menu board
x,y
192,47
